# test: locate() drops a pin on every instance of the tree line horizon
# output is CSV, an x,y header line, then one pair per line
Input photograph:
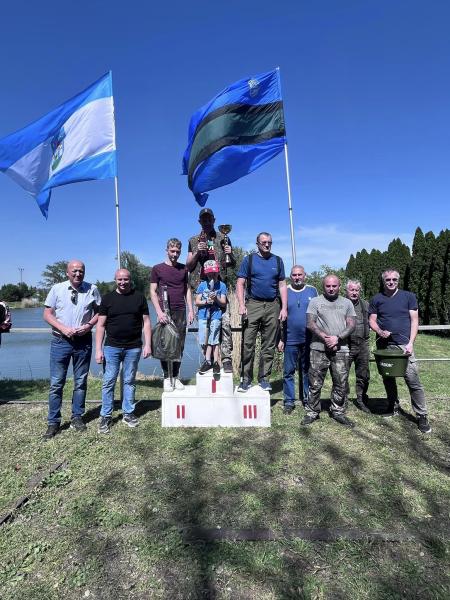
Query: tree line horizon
x,y
424,269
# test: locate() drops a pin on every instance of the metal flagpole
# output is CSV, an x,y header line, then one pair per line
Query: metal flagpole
x,y
116,186
117,222
286,160
291,222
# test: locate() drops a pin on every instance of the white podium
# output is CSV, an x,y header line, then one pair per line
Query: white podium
x,y
215,403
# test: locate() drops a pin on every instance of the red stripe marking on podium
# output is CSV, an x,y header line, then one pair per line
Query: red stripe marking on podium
x,y
254,411
245,411
250,416
213,385
178,411
183,413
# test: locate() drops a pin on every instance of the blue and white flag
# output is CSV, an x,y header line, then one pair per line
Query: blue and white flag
x,y
234,134
74,142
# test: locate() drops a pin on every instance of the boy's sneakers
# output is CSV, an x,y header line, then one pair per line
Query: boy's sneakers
x,y
130,419
423,424
77,424
216,368
244,386
167,385
206,366
392,413
52,430
104,425
288,408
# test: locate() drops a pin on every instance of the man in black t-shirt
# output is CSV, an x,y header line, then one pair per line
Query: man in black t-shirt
x,y
394,316
123,314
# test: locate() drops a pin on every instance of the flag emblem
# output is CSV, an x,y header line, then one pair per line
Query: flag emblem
x,y
58,148
253,84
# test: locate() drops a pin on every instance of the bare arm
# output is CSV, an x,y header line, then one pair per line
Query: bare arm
x,y
240,293
414,316
283,295
374,326
162,317
99,335
189,305
147,349
311,324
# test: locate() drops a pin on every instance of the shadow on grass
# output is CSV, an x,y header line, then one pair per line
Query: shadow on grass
x,y
245,479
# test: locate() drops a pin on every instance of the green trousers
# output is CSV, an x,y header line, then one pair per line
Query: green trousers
x,y
262,317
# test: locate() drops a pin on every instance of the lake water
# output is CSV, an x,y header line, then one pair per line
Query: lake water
x,y
27,355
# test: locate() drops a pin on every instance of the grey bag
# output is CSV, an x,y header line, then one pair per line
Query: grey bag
x,y
166,341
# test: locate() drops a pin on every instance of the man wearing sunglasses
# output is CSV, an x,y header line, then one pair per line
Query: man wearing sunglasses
x,y
394,316
71,309
262,276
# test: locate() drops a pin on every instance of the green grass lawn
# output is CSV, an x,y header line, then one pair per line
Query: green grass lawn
x,y
117,520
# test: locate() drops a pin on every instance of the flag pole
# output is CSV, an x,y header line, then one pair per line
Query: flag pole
x,y
288,179
116,185
291,222
117,221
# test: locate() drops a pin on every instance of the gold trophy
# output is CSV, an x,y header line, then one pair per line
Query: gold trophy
x,y
225,230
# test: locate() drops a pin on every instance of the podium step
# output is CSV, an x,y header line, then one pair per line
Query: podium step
x,y
199,406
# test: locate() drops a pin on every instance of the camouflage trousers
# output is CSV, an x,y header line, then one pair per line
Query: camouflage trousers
x,y
320,362
226,343
359,355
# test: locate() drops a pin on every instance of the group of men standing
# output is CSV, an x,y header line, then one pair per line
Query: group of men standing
x,y
318,333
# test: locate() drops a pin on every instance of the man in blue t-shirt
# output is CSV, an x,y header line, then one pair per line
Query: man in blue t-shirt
x,y
295,339
395,319
262,275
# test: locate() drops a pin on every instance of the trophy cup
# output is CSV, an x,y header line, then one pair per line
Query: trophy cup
x,y
225,230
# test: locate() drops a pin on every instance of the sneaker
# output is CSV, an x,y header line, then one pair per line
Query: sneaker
x,y
104,425
130,419
342,419
77,424
265,385
227,366
244,386
206,366
216,368
177,384
423,424
167,385
308,419
288,408
52,430
360,404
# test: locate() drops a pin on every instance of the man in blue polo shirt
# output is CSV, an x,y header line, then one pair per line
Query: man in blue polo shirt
x,y
295,339
262,275
394,316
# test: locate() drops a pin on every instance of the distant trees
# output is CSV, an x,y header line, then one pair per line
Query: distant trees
x,y
424,271
140,273
54,273
11,292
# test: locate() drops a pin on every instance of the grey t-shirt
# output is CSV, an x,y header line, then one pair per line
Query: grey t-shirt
x,y
331,317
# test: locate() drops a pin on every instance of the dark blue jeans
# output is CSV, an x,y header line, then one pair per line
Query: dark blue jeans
x,y
62,350
295,358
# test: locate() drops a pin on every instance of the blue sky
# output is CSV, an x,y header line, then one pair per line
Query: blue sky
x,y
366,88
